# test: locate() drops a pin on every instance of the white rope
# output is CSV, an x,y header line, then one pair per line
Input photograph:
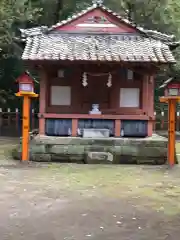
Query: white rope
x,y
100,74
85,78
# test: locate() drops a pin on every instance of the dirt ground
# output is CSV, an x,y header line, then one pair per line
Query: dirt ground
x,y
97,202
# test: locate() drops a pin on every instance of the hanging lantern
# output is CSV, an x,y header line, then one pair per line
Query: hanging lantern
x,y
130,75
109,83
60,73
84,81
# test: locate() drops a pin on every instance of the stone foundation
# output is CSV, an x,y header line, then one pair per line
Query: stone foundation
x,y
151,150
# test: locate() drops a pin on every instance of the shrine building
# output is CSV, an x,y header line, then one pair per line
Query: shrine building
x,y
97,71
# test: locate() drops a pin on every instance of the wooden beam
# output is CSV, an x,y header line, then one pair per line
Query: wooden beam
x,y
95,116
167,98
139,67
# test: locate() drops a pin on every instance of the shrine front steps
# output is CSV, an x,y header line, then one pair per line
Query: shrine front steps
x,y
152,150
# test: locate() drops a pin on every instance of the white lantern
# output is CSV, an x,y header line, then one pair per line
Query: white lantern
x,y
173,91
26,87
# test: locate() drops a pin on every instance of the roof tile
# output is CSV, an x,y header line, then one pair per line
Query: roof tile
x,y
96,47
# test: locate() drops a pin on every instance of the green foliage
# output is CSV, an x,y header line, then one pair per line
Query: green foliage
x,y
13,14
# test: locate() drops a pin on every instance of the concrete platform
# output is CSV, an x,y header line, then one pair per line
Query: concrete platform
x,y
150,150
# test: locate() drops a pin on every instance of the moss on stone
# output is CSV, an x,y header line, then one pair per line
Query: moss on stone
x,y
16,153
38,149
77,150
40,157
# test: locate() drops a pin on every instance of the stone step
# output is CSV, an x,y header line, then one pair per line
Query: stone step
x,y
95,133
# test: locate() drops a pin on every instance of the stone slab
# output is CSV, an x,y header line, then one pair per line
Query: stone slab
x,y
153,141
97,150
99,157
95,133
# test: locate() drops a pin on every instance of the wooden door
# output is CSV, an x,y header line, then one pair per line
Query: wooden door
x,y
96,92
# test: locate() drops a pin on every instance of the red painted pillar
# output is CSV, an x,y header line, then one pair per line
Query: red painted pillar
x,y
42,101
151,104
117,128
145,95
148,101
25,128
74,127
171,132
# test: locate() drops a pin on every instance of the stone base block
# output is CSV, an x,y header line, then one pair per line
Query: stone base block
x,y
108,150
99,157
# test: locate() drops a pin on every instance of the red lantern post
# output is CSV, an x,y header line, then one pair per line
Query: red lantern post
x,y
26,90
172,96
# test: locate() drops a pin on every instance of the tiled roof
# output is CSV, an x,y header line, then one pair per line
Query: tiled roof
x,y
43,43
127,48
33,31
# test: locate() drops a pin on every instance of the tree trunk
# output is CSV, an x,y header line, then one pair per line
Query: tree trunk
x,y
131,9
59,6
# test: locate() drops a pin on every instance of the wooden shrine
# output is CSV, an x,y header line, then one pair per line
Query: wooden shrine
x,y
97,71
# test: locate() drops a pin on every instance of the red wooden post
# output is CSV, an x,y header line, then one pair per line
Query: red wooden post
x,y
171,143
25,129
171,100
150,127
145,94
74,127
42,101
117,128
26,90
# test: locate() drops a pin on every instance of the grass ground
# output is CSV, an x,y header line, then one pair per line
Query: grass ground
x,y
99,202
